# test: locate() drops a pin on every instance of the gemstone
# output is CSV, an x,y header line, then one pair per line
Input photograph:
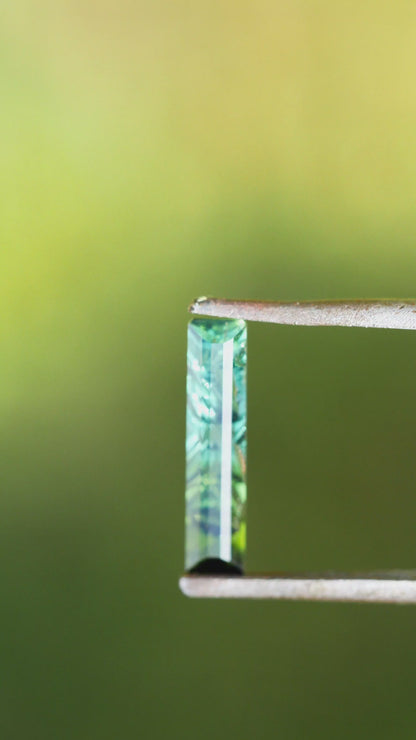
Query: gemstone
x,y
216,425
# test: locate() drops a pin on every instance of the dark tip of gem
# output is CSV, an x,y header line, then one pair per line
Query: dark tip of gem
x,y
216,566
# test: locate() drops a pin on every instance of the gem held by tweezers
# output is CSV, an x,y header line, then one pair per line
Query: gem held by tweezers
x,y
216,423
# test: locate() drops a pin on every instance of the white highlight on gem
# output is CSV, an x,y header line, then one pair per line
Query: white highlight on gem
x,y
226,451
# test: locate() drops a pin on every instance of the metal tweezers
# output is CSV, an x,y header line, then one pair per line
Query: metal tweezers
x,y
398,587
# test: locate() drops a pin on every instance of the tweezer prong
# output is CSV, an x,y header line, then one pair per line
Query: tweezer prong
x,y
367,314
394,587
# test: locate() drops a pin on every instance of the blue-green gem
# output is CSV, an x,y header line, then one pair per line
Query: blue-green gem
x,y
216,425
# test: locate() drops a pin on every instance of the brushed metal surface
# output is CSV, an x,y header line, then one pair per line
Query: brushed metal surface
x,y
395,587
380,314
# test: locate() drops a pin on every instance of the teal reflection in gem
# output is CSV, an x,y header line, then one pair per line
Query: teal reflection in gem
x,y
216,424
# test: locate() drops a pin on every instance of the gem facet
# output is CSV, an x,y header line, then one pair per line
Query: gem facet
x,y
216,423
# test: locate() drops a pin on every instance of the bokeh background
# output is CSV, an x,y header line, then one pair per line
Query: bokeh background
x,y
151,152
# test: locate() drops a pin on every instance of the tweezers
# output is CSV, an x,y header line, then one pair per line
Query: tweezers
x,y
395,587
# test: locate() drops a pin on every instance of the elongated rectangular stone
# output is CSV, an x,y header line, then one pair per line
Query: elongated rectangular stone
x,y
216,424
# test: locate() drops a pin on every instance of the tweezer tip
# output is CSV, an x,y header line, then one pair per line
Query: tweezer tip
x,y
193,308
183,585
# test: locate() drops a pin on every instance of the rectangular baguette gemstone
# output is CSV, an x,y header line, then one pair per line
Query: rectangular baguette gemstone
x,y
216,424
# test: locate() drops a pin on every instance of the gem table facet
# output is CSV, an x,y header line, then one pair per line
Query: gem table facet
x,y
216,424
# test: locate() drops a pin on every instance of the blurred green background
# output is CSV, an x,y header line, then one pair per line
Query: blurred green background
x,y
152,152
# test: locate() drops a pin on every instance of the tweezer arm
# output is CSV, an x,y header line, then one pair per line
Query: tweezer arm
x,y
366,314
394,587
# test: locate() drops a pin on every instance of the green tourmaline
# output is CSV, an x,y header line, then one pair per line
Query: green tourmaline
x,y
216,424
